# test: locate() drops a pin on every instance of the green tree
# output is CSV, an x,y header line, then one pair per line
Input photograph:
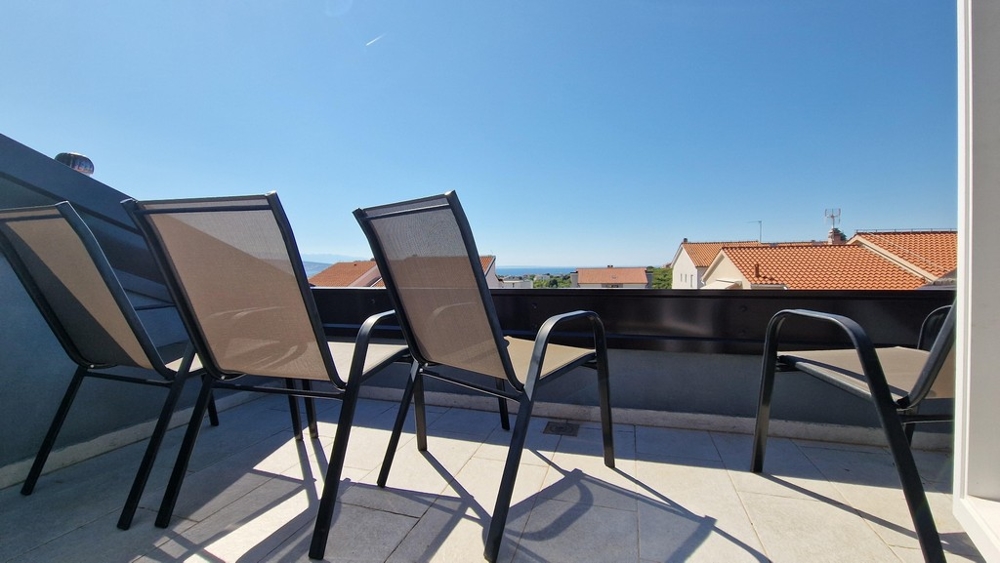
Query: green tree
x,y
550,282
663,278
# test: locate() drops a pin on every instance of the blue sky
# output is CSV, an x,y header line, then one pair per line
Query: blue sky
x,y
577,133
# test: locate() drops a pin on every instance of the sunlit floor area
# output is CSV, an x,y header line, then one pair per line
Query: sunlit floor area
x,y
675,495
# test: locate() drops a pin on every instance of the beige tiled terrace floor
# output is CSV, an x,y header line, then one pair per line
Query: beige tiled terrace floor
x,y
676,495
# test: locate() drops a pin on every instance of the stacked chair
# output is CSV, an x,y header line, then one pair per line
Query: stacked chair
x,y
234,273
67,275
233,268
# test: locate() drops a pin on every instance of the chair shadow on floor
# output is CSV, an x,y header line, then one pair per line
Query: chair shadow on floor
x,y
249,511
954,542
565,521
559,527
797,463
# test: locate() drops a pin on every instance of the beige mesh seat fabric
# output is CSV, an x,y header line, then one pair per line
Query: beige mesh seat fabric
x,y
67,275
233,268
897,380
428,260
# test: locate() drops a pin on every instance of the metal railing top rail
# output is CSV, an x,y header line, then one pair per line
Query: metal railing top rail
x,y
731,322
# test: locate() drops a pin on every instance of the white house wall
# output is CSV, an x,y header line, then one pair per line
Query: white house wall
x,y
685,274
724,269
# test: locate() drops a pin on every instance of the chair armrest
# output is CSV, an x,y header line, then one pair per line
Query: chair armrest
x,y
371,322
542,341
550,324
932,325
852,329
860,341
361,342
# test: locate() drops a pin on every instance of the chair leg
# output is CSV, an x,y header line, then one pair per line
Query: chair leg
x,y
502,507
155,440
293,409
50,437
310,411
504,413
607,429
906,416
763,411
213,412
419,412
913,488
331,483
184,454
397,427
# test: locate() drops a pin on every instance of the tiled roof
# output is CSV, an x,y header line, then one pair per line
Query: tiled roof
x,y
343,274
486,262
846,267
702,253
611,275
348,274
935,252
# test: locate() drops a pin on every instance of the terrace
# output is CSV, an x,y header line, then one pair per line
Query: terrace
x,y
685,370
685,373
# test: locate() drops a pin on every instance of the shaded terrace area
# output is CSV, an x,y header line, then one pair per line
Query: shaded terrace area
x,y
676,495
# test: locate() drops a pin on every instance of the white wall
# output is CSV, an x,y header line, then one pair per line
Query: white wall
x,y
685,274
516,284
977,450
726,270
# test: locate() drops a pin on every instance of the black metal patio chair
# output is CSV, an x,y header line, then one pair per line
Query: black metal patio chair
x,y
896,380
428,260
67,275
232,266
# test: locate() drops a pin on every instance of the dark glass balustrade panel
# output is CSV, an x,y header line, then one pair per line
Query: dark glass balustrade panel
x,y
730,322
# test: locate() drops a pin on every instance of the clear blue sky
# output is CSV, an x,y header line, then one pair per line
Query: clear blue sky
x,y
577,133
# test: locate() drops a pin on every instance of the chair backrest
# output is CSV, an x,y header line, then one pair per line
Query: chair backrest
x,y
64,270
233,268
428,260
937,378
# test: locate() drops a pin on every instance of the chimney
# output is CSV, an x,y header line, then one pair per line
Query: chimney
x,y
835,236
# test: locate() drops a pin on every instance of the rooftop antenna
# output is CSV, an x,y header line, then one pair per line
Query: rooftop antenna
x,y
833,216
760,229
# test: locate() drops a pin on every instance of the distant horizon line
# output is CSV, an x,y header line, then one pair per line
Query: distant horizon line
x,y
572,267
330,259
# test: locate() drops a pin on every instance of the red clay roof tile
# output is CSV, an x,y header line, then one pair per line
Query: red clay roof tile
x,y
347,274
839,267
342,274
935,252
611,275
702,253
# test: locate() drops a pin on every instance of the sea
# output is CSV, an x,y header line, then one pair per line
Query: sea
x,y
525,270
313,268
